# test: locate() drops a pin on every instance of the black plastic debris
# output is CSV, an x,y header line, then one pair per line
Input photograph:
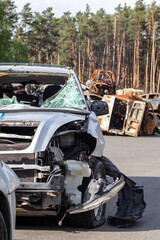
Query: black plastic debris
x,y
130,204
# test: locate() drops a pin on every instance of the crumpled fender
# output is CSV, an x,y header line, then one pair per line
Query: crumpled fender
x,y
8,179
130,205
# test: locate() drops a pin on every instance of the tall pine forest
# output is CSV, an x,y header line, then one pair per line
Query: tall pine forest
x,y
126,42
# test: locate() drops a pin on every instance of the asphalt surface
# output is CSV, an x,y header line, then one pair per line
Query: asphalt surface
x,y
138,158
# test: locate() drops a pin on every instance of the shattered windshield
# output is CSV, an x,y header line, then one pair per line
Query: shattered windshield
x,y
69,97
43,95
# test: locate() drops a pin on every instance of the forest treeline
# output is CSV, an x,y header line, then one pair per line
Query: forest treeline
x,y
126,42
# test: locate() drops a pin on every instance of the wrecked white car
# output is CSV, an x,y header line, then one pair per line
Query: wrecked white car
x,y
51,138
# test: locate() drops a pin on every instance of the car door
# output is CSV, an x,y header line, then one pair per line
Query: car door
x,y
135,118
106,119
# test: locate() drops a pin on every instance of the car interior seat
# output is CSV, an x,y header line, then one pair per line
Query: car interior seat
x,y
50,91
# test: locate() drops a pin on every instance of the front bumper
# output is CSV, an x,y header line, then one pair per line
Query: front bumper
x,y
100,198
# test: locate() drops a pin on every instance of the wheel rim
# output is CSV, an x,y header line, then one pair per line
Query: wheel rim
x,y
98,212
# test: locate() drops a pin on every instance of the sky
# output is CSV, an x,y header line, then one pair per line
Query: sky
x,y
61,6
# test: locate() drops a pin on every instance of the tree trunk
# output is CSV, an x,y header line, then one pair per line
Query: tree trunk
x,y
107,49
151,76
88,54
158,83
114,44
39,56
103,59
19,29
36,58
79,66
109,58
83,65
74,54
46,42
153,57
58,57
51,59
134,65
91,61
119,63
123,68
146,83
137,63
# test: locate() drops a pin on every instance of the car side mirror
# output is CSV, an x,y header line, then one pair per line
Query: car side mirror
x,y
99,108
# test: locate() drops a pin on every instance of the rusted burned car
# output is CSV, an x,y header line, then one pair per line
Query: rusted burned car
x,y
50,136
150,96
130,91
102,82
128,115
154,99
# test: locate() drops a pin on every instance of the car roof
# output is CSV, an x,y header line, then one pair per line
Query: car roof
x,y
29,67
18,72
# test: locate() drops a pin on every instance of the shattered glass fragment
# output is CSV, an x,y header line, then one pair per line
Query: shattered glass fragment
x,y
8,101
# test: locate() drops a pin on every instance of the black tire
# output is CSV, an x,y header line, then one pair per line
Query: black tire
x,y
3,228
95,217
155,131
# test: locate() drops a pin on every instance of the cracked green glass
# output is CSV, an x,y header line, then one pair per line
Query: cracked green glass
x,y
7,101
68,97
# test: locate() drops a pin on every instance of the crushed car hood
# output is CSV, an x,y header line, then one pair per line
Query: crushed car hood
x,y
48,122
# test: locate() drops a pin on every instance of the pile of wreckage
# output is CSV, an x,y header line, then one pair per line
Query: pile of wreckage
x,y
102,82
131,112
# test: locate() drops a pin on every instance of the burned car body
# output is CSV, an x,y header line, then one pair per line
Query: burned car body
x,y
51,138
154,99
130,91
128,115
102,82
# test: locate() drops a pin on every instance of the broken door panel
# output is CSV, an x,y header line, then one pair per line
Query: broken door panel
x,y
118,118
105,120
135,117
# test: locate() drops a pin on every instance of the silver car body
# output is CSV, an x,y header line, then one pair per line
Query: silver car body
x,y
45,121
49,122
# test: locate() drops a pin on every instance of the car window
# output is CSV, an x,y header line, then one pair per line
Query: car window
x,y
42,94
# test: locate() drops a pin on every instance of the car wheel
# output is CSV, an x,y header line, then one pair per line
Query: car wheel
x,y
96,217
3,228
155,131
